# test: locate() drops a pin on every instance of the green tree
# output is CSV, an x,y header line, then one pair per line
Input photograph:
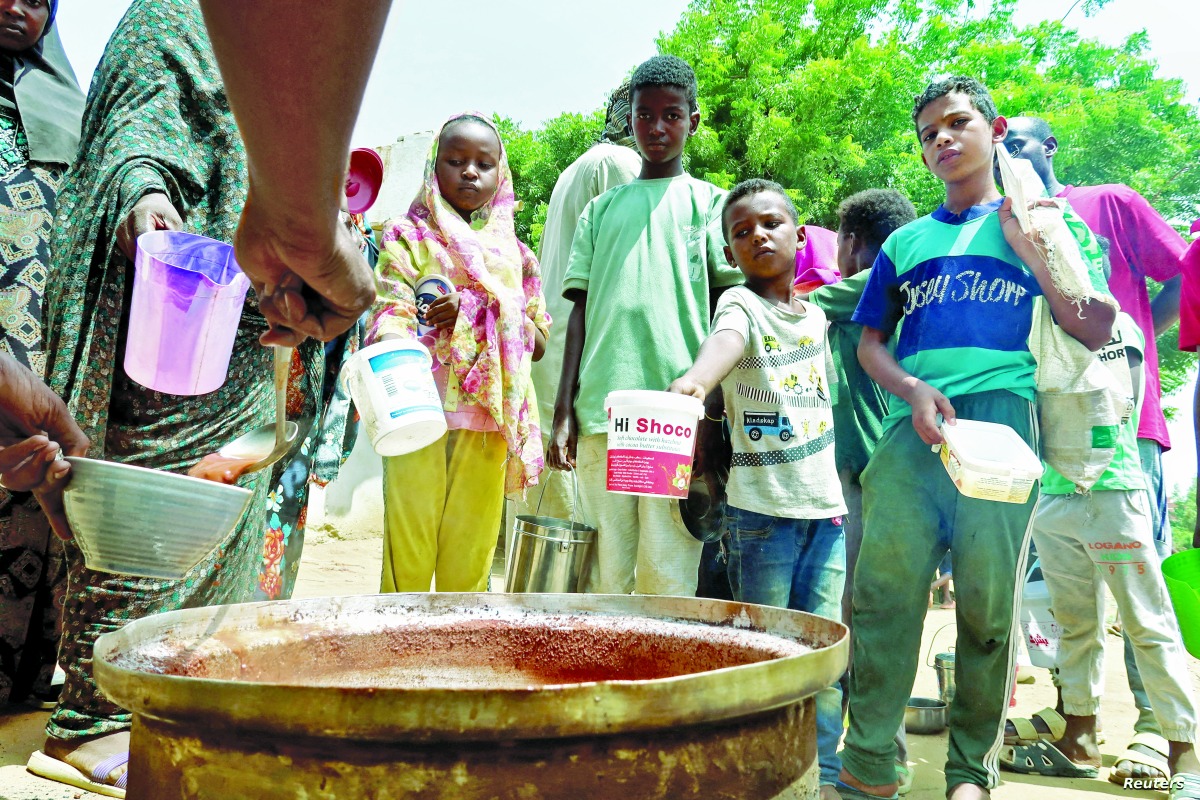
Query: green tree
x,y
817,94
1183,518
538,157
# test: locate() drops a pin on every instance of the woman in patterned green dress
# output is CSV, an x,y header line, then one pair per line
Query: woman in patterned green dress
x,y
40,109
162,152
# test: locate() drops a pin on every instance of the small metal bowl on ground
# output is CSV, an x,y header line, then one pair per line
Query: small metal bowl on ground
x,y
925,715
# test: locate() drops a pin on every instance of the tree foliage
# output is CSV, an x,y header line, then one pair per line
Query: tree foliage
x,y
817,94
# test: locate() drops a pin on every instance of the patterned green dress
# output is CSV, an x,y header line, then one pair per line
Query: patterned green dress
x,y
157,120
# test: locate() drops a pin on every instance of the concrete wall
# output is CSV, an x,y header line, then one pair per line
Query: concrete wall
x,y
353,504
403,171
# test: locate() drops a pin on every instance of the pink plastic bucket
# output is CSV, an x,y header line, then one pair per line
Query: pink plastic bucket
x,y
651,440
188,293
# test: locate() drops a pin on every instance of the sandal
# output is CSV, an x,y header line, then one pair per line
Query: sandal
x,y
1043,758
1027,732
904,779
56,770
1156,759
1184,786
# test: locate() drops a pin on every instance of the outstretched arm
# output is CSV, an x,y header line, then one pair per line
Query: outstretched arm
x,y
295,87
719,354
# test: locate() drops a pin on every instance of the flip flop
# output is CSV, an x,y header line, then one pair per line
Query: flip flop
x,y
54,769
848,792
1156,760
1184,786
904,779
1043,758
1027,732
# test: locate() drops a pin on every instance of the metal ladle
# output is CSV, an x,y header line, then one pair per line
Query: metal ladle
x,y
272,442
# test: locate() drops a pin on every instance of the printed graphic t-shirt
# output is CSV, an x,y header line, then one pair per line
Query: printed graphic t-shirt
x,y
780,408
647,254
1125,470
959,303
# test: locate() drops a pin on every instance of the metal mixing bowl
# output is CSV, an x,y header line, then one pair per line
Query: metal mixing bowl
x,y
925,715
137,521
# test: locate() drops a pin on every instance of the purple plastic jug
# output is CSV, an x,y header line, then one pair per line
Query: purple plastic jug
x,y
188,293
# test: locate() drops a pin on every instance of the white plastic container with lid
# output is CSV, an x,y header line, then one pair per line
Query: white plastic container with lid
x,y
1041,631
651,441
393,387
988,461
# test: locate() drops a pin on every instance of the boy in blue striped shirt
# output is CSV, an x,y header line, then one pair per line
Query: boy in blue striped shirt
x,y
947,313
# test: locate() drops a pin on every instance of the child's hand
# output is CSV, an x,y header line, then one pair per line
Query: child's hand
x,y
689,386
564,435
443,312
927,402
1030,247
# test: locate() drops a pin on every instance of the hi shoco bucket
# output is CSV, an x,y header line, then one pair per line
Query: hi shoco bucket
x,y
651,441
393,387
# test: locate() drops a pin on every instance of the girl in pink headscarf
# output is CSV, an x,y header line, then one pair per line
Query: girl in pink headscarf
x,y
444,503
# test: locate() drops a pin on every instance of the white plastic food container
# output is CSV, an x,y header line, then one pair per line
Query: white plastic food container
x,y
651,440
988,461
395,393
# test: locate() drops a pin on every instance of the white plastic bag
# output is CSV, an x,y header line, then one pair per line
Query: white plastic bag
x,y
1081,404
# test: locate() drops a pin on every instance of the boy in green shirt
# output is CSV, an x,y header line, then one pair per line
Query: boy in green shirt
x,y
954,293
865,220
1104,535
646,260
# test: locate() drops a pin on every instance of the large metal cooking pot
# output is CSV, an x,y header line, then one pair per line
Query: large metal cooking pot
x,y
534,696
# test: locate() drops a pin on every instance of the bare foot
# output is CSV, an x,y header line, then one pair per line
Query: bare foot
x,y
1131,769
87,755
1078,741
882,790
1183,758
967,791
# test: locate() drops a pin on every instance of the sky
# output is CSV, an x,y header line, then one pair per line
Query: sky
x,y
544,57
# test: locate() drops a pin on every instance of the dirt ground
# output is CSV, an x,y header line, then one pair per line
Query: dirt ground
x,y
336,564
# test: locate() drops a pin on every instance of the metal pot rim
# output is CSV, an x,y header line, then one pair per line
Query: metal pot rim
x,y
438,714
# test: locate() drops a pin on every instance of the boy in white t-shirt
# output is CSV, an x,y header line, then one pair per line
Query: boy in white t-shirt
x,y
767,351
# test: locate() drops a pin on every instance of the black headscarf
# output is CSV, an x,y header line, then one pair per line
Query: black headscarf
x,y
40,86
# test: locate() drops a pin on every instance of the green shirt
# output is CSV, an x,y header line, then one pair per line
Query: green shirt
x,y
859,403
647,254
960,303
1125,470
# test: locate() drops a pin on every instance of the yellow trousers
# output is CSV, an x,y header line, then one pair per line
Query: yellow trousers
x,y
442,510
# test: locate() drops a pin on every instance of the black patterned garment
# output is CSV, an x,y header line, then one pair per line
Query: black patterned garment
x,y
40,106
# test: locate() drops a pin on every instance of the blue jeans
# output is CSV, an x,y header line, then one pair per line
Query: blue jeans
x,y
798,564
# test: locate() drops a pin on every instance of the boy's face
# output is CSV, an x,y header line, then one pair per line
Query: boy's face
x,y
763,237
1022,141
467,167
22,23
662,121
956,141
